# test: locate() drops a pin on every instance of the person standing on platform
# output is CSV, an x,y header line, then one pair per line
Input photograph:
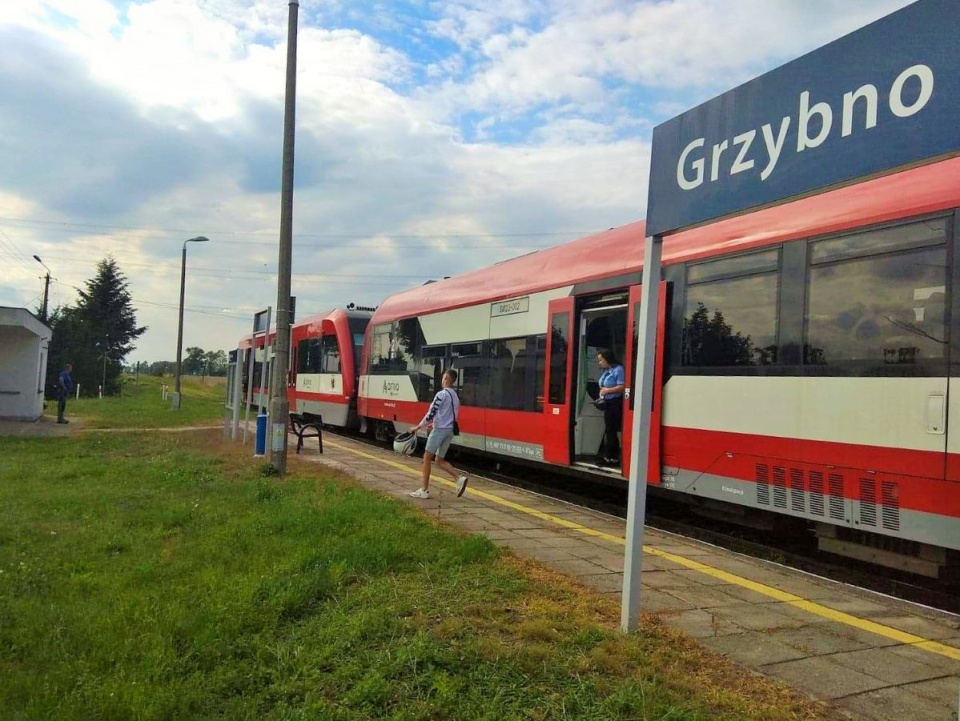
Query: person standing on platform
x,y
442,415
64,387
612,383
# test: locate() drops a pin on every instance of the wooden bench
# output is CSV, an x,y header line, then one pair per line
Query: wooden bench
x,y
306,429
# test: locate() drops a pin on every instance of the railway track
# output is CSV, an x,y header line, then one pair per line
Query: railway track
x,y
797,552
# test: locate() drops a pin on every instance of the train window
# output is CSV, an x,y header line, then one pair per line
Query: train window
x,y
358,327
731,321
735,266
878,313
513,373
408,342
560,347
431,371
380,349
309,356
331,355
873,242
469,360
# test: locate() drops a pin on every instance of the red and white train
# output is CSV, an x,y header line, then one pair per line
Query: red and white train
x,y
324,366
805,363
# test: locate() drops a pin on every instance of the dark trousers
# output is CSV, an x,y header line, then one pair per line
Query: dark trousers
x,y
61,407
612,422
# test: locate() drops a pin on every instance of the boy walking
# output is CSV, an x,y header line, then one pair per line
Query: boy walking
x,y
442,415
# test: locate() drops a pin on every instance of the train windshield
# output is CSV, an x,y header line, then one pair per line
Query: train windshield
x,y
358,327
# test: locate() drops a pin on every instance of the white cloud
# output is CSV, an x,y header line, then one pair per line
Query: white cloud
x,y
432,137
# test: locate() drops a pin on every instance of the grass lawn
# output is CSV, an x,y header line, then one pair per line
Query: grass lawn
x,y
141,404
161,577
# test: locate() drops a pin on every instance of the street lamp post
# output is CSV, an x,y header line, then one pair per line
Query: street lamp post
x,y
46,289
183,280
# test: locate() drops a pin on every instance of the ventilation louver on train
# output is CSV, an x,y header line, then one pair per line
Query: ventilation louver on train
x,y
834,505
890,505
868,502
763,484
816,493
779,487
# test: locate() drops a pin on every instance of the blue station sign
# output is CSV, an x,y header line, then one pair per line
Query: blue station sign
x,y
883,97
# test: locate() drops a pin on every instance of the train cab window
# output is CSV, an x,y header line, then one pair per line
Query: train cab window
x,y
432,361
469,360
380,342
331,355
309,355
358,327
876,301
730,312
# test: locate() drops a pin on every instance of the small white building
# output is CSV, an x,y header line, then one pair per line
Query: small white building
x,y
23,364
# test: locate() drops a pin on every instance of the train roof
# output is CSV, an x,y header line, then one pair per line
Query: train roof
x,y
912,192
333,315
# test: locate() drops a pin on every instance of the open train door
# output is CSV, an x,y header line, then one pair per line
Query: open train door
x,y
629,410
557,404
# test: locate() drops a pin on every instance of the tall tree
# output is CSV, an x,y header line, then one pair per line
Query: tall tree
x,y
97,334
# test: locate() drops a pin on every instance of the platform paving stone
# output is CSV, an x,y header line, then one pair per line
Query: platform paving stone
x,y
822,677
665,580
654,601
942,690
895,702
611,583
886,666
917,626
706,597
819,639
754,648
757,617
699,623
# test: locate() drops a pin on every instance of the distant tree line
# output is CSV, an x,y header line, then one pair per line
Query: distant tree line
x,y
196,362
96,334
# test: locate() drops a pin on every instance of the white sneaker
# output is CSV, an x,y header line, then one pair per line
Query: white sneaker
x,y
420,493
462,484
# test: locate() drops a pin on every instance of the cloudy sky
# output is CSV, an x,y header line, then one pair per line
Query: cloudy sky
x,y
433,137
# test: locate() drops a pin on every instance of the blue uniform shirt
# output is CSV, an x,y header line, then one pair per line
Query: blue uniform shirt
x,y
66,382
612,377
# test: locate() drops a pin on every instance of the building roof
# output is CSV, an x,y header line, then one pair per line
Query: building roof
x,y
23,318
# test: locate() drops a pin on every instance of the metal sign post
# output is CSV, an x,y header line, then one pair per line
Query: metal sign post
x,y
646,355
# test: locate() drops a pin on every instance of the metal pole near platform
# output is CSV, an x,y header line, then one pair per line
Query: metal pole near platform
x,y
646,355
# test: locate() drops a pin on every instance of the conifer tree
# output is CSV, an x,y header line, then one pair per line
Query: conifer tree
x,y
97,334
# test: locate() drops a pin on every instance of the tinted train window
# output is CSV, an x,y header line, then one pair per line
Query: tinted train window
x,y
877,300
559,348
380,349
331,355
516,373
358,327
431,372
469,361
309,354
730,312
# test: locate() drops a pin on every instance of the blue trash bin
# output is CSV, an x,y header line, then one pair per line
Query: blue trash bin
x,y
260,446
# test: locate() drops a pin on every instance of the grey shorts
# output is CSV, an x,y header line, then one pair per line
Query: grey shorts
x,y
439,441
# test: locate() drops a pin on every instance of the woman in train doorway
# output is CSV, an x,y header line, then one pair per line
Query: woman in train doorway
x,y
612,383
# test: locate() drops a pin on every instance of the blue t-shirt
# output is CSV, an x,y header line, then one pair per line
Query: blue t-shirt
x,y
612,377
66,383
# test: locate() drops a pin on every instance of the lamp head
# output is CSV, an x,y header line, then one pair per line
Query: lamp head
x,y
198,239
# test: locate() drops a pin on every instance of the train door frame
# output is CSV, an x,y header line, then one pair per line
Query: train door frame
x,y
587,422
557,421
629,410
951,471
